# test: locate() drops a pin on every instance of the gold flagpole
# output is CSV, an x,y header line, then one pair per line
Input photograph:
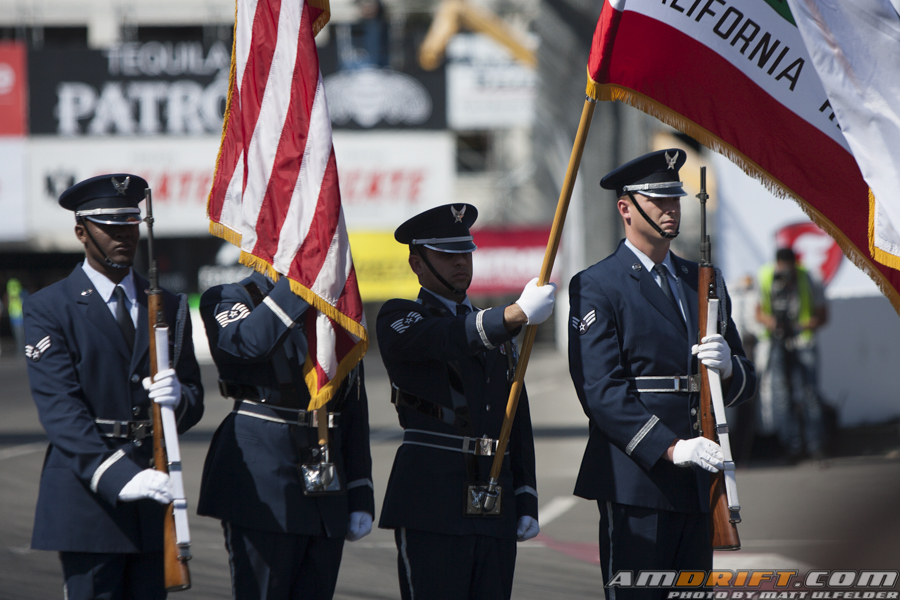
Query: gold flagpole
x,y
562,207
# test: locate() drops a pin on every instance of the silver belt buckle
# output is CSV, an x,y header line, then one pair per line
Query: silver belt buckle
x,y
484,447
694,383
140,431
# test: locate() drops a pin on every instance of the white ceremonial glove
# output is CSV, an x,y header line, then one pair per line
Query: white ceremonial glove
x,y
537,301
713,351
527,528
699,451
360,525
166,390
149,483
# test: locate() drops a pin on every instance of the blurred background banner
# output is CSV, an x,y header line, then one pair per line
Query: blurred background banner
x,y
13,89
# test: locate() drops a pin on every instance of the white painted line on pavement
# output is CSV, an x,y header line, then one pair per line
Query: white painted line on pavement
x,y
22,450
555,508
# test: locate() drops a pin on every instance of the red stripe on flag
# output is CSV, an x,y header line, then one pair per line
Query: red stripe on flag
x,y
294,136
314,249
231,150
259,63
350,303
604,38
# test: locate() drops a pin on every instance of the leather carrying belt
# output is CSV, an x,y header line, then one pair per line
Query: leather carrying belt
x,y
664,383
446,441
239,391
458,418
125,430
279,414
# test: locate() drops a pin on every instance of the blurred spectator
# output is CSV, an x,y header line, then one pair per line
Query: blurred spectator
x,y
15,295
791,308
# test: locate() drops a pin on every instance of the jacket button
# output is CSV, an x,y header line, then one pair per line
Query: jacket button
x,y
135,378
136,410
694,411
487,407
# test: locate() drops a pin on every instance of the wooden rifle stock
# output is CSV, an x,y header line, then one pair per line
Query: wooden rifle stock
x,y
177,574
723,531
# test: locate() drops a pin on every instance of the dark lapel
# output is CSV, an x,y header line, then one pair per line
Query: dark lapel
x,y
142,332
688,274
95,309
648,287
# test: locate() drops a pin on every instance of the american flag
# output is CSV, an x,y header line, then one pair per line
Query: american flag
x,y
275,191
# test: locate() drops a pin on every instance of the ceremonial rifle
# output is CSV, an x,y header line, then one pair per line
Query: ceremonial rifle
x,y
723,505
166,452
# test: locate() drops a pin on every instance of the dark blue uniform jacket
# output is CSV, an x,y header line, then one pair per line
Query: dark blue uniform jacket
x,y
251,477
621,325
82,370
427,487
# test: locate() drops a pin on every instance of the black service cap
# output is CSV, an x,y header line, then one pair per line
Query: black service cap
x,y
654,175
443,228
110,199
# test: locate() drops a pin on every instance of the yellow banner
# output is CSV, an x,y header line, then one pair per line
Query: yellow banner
x,y
382,266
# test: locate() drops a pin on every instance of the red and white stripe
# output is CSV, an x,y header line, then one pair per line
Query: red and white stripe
x,y
276,182
681,65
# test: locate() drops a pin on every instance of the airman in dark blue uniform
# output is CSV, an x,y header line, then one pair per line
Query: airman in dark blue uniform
x,y
284,539
100,504
633,328
451,365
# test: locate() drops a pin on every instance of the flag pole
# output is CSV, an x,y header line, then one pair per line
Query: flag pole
x,y
562,206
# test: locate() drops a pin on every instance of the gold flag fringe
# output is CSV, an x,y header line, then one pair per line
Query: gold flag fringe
x,y
610,92
882,256
231,78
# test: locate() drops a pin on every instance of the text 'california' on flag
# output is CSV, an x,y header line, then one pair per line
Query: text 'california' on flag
x,y
855,47
735,75
275,191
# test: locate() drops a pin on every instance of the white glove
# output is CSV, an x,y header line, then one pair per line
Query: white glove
x,y
699,451
713,351
527,528
537,301
166,389
149,483
360,525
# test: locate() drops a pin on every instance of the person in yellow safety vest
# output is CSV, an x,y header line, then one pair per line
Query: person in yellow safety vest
x,y
14,297
792,307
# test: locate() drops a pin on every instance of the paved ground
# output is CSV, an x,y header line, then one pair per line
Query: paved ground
x,y
840,514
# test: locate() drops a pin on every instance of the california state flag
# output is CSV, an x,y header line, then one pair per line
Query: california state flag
x,y
736,76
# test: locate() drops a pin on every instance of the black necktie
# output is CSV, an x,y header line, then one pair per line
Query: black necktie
x,y
123,316
663,273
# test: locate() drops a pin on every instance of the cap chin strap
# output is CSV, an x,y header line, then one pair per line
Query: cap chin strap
x,y
106,258
658,229
431,268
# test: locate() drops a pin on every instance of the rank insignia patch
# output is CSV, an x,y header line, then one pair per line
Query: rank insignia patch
x,y
35,352
237,312
401,325
582,325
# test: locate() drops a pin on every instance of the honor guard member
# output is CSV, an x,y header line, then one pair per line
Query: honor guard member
x,y
633,327
100,504
451,366
284,535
